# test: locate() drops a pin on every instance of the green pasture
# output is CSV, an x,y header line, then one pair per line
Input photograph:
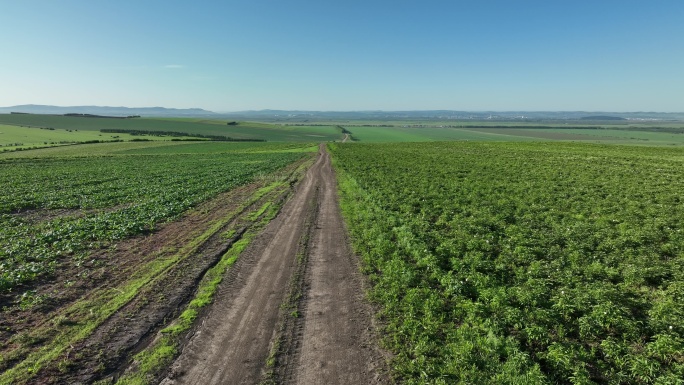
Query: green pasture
x,y
14,137
85,149
632,136
243,130
69,129
277,133
427,134
158,148
221,147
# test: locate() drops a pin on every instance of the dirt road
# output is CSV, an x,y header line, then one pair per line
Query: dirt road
x,y
338,346
334,343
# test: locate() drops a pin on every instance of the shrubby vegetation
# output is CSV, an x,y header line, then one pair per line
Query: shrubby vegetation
x,y
176,134
522,263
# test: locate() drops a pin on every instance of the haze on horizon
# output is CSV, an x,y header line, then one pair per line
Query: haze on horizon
x,y
355,55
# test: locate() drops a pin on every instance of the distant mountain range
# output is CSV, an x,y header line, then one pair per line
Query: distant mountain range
x,y
303,116
108,111
284,115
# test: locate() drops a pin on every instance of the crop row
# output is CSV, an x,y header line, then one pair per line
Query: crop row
x,y
522,263
62,207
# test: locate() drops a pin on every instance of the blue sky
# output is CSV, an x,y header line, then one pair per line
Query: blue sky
x,y
601,55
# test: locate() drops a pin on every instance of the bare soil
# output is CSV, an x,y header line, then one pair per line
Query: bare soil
x,y
333,340
338,344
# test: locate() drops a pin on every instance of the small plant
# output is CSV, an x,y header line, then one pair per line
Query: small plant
x,y
30,299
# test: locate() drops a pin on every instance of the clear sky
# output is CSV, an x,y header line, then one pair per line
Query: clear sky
x,y
598,55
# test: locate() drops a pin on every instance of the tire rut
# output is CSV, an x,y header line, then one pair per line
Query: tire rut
x,y
337,339
332,341
232,343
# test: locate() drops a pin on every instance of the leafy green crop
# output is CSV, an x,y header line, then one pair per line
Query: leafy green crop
x,y
52,208
522,263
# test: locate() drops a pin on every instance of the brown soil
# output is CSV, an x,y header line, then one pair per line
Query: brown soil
x,y
334,342
338,345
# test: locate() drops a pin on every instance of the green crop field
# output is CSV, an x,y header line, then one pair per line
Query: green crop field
x,y
426,134
69,209
522,263
90,201
221,147
242,130
495,255
516,133
23,129
86,149
16,137
629,136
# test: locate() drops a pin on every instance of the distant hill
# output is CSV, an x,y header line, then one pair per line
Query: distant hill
x,y
602,117
443,115
108,111
322,116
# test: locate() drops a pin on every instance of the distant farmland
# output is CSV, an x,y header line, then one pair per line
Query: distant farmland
x,y
515,132
101,128
241,130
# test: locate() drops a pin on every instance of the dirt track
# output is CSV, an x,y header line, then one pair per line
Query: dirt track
x,y
333,342
338,345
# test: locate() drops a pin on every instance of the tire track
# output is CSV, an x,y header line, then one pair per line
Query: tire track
x,y
332,342
232,344
338,343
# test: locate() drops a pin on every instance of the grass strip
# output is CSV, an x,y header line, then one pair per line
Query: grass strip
x,y
161,353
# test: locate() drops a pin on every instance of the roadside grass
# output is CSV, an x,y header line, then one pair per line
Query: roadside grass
x,y
256,214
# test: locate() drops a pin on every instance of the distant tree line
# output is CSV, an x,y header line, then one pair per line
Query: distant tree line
x,y
100,116
177,134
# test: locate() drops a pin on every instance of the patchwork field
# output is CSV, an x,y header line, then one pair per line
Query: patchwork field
x,y
191,127
16,137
